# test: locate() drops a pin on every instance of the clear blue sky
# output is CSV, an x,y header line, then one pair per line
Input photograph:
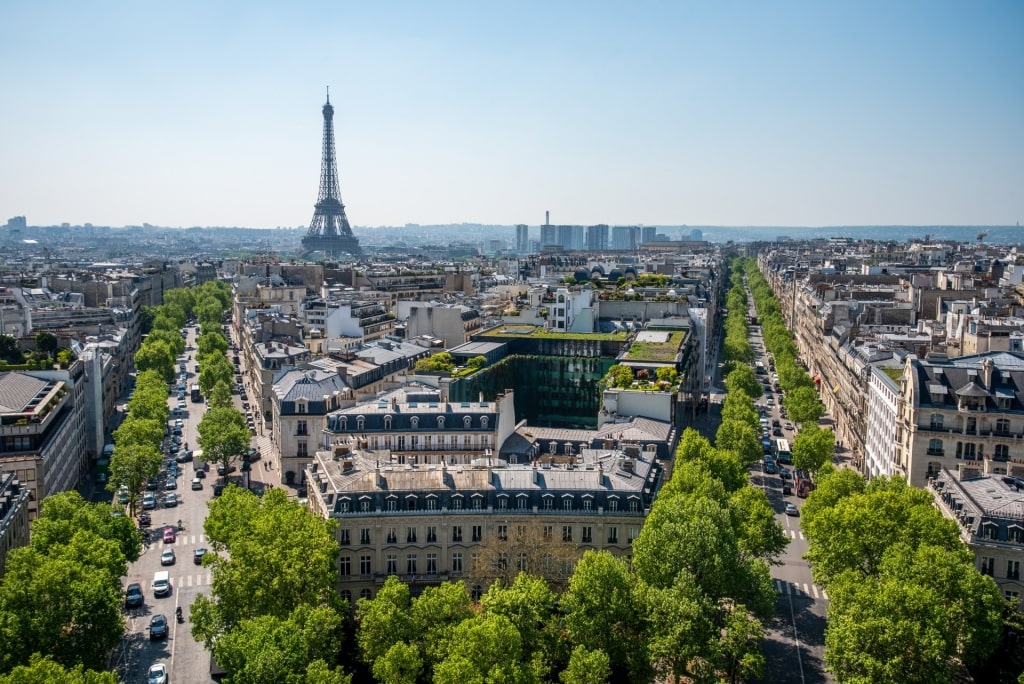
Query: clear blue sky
x,y
722,113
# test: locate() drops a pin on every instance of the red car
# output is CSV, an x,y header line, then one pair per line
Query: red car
x,y
168,535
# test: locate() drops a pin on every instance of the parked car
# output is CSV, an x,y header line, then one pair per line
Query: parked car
x,y
148,501
171,500
167,557
133,597
776,423
777,432
791,509
788,425
787,489
171,482
157,674
169,535
158,627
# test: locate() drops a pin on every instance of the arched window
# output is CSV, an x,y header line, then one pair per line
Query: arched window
x,y
366,593
346,596
360,422
440,422
342,423
483,422
415,422
387,422
467,422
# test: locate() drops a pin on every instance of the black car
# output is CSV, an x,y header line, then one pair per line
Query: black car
x,y
184,456
133,597
158,627
197,556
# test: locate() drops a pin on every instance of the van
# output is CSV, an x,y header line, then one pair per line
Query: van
x,y
161,583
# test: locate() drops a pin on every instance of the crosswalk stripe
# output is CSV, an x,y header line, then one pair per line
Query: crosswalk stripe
x,y
824,595
814,590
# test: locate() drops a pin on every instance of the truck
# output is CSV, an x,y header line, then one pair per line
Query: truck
x,y
197,396
161,583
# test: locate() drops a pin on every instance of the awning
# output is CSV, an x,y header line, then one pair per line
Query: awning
x,y
817,378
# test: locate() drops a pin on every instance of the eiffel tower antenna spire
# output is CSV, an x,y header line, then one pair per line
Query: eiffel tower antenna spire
x,y
329,230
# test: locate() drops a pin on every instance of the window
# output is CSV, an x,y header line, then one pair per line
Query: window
x,y
301,408
457,562
346,596
392,535
414,422
344,506
585,535
1015,533
366,593
521,562
456,503
431,534
613,535
300,428
503,532
478,592
587,503
1013,596
972,426
477,503
567,533
936,422
1002,426
392,561
478,532
522,503
387,422
467,422
483,422
633,505
969,451
457,533
549,503
364,505
935,447
989,530
431,563
345,566
392,505
634,532
1013,570
360,423
503,561
613,505
410,535
567,503
410,564
502,502
343,537
364,535
440,422
410,503
549,531
1001,453
988,565
364,565
431,504
301,450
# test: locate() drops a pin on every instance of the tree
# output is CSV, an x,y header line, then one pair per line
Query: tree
x,y
44,670
46,343
813,447
220,395
156,356
530,547
58,607
435,615
759,534
269,649
741,438
484,648
63,516
619,376
530,605
384,621
9,350
214,369
213,343
600,613
440,362
182,297
477,362
278,557
131,466
586,667
803,405
667,374
401,664
680,629
140,431
829,489
223,435
743,379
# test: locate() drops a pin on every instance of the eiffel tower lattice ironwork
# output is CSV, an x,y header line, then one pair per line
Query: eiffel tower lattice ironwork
x,y
329,231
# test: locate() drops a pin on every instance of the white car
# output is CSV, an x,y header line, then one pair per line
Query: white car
x,y
157,674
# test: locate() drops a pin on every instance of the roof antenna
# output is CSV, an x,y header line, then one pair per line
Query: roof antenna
x,y
328,94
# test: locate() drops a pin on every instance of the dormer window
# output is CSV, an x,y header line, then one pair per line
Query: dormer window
x,y
387,422
440,422
483,422
467,422
360,423
415,422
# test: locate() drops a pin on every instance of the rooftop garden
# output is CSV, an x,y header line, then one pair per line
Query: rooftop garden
x,y
537,331
896,374
624,377
656,352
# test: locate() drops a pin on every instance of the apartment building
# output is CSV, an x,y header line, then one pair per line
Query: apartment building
x,y
14,518
988,512
964,414
300,403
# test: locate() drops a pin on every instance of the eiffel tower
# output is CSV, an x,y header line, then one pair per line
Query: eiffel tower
x,y
329,231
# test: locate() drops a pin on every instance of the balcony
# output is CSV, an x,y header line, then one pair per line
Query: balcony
x,y
936,452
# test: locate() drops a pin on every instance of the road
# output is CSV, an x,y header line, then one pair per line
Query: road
x,y
186,659
794,644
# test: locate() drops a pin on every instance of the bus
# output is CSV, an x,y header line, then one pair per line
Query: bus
x,y
759,368
196,395
782,451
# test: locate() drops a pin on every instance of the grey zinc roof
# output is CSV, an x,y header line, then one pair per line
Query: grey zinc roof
x,y
308,384
17,391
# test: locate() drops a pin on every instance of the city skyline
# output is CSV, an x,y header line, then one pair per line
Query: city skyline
x,y
797,114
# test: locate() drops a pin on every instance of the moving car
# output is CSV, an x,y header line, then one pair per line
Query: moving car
x,y
167,557
197,484
133,597
157,674
791,509
171,500
169,535
158,627
197,555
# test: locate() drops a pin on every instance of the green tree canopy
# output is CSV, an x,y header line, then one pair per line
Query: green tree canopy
x,y
803,405
743,378
45,670
813,447
223,435
156,356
